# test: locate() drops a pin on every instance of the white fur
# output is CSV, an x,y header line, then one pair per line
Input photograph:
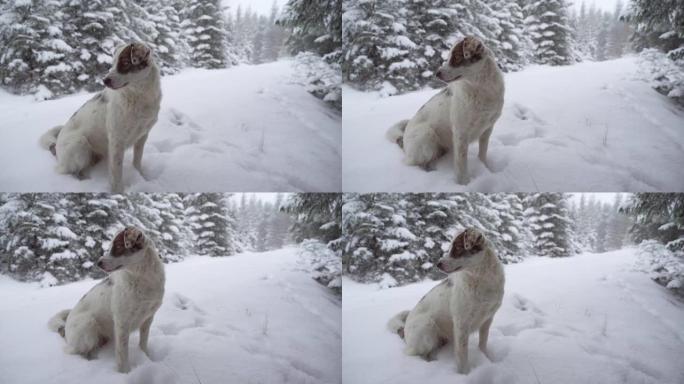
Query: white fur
x,y
108,124
463,303
124,301
463,112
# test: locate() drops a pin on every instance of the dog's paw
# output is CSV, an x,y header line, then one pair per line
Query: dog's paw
x,y
463,180
124,369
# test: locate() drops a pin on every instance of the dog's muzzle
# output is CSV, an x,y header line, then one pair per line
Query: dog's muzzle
x,y
109,83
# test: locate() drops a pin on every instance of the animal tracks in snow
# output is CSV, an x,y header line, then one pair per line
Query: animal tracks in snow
x,y
526,316
185,315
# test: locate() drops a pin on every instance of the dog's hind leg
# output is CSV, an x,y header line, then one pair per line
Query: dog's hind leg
x,y
484,145
73,155
82,335
422,337
138,154
421,146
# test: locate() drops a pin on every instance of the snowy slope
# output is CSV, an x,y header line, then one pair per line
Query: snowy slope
x,y
246,128
250,318
584,319
587,127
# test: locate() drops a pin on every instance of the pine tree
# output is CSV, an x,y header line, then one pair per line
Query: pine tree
x,y
548,218
547,23
35,56
513,42
658,216
212,225
315,215
317,25
205,33
658,24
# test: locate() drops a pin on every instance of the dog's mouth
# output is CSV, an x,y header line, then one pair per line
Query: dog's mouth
x,y
441,268
108,270
441,77
113,87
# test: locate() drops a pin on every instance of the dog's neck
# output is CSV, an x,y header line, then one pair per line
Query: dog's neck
x,y
489,264
150,265
488,72
148,88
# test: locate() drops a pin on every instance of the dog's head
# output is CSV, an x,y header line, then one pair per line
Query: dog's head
x,y
127,247
131,63
466,249
465,58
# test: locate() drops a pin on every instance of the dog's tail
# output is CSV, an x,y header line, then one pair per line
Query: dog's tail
x,y
58,321
49,139
396,324
396,133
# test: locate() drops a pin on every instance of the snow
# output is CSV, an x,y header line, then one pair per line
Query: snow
x,y
585,319
245,128
252,317
593,126
66,254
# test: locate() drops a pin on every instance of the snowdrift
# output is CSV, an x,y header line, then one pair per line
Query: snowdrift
x,y
246,128
585,319
249,318
592,127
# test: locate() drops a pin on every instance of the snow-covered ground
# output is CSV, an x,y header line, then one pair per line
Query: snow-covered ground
x,y
249,318
246,128
585,319
594,126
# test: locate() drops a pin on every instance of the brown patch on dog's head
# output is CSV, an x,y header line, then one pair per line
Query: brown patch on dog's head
x,y
133,58
128,241
467,243
467,51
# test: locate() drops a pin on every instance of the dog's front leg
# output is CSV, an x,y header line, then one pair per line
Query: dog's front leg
x,y
116,155
461,349
144,334
138,154
484,145
484,336
121,344
461,158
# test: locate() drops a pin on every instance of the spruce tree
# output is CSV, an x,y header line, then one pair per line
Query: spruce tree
x,y
547,216
547,22
205,33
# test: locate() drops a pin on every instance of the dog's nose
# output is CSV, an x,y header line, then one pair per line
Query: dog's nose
x,y
439,74
439,265
107,81
99,264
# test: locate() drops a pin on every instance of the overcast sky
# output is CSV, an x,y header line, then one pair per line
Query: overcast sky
x,y
606,5
267,197
260,6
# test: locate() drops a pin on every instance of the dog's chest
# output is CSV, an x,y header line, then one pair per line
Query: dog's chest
x,y
137,300
133,119
475,303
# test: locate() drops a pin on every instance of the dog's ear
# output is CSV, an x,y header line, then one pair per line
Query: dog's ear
x,y
139,53
472,48
472,238
133,238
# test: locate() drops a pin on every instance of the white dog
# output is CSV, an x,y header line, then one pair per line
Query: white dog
x,y
124,301
461,113
461,304
117,118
